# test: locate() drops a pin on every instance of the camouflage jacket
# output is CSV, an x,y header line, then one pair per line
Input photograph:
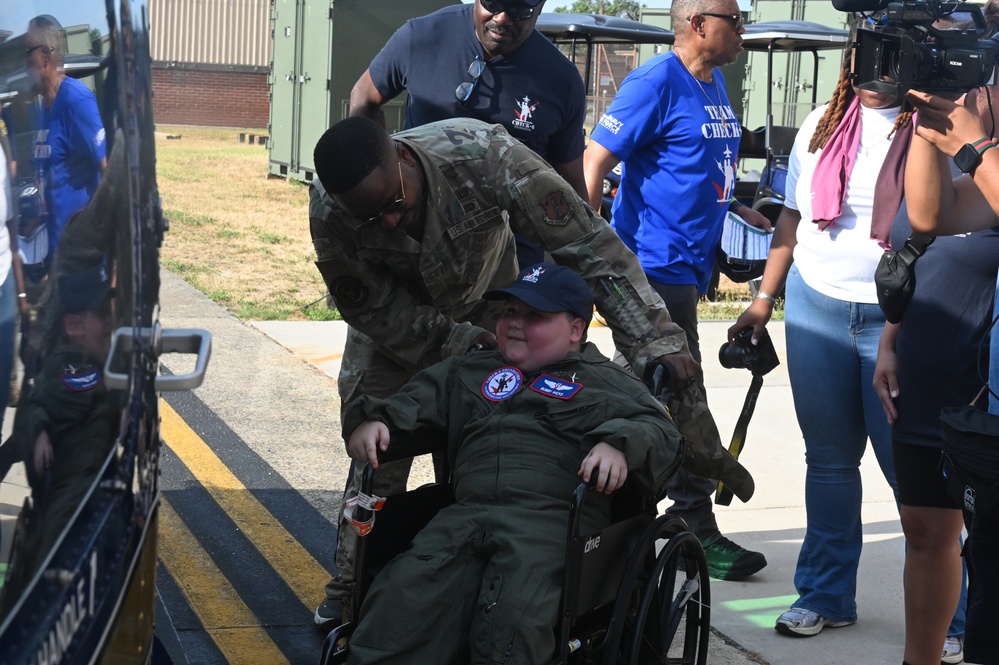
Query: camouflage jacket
x,y
412,297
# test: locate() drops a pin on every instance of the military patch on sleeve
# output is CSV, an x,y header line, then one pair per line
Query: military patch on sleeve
x,y
78,380
502,384
546,384
556,207
349,292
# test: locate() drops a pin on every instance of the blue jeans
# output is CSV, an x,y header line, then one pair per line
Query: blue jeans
x,y
8,326
832,346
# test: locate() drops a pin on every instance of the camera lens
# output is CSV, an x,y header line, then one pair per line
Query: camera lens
x,y
732,356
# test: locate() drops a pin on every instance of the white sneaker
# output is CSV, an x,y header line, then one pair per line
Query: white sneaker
x,y
799,622
953,650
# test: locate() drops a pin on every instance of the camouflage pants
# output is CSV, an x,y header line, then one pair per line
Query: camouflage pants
x,y
364,371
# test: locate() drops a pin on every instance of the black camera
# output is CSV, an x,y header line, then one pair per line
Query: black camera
x,y
923,45
759,359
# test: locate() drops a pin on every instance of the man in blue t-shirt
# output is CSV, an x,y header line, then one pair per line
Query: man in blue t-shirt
x,y
673,127
69,153
483,61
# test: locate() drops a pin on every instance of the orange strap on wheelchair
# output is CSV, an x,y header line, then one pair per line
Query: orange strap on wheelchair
x,y
360,512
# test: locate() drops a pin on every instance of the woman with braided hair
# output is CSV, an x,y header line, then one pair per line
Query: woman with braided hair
x,y
844,188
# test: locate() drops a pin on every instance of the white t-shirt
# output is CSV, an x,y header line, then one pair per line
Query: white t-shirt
x,y
7,211
839,262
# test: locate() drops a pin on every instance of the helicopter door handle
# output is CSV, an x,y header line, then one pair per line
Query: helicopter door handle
x,y
193,341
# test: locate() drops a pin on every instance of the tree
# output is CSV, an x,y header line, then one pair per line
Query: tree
x,y
622,8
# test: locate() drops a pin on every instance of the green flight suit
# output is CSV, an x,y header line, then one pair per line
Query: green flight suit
x,y
69,402
489,567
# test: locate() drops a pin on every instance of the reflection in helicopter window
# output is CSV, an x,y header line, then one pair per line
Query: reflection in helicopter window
x,y
66,424
69,150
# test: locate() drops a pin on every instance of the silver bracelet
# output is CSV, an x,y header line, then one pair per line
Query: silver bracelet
x,y
765,296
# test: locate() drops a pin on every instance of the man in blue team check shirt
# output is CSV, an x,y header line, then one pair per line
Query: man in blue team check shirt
x,y
673,127
69,153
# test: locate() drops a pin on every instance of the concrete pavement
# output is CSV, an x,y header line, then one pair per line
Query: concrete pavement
x,y
773,522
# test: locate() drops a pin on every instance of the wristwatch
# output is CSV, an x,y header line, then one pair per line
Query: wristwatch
x,y
970,154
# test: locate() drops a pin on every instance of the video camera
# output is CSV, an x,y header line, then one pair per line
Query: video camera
x,y
925,45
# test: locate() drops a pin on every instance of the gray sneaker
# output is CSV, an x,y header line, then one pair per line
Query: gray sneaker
x,y
799,622
329,610
953,650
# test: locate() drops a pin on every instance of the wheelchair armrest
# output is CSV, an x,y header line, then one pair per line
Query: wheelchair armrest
x,y
413,444
404,446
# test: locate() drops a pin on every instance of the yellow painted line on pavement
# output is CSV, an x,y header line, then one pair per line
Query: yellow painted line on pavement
x,y
230,623
286,555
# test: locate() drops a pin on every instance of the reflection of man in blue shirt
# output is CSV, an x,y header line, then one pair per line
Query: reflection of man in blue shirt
x,y
69,150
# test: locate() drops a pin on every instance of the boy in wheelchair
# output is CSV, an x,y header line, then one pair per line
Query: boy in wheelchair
x,y
523,425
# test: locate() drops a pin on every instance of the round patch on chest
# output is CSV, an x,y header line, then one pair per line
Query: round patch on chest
x,y
502,384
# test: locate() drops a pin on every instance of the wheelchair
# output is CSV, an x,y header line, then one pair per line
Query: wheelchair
x,y
623,602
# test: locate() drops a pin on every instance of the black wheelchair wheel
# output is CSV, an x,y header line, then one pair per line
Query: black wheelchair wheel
x,y
335,649
667,599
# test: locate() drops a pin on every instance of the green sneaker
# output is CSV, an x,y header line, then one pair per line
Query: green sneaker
x,y
728,561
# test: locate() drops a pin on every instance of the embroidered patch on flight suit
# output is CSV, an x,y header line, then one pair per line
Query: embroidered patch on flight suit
x,y
546,384
78,380
502,384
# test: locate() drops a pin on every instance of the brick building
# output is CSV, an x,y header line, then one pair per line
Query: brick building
x,y
210,62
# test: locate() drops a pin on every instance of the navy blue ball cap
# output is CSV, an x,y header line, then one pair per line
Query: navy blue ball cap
x,y
549,288
83,290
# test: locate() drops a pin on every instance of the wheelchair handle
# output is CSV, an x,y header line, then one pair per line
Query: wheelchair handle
x,y
658,378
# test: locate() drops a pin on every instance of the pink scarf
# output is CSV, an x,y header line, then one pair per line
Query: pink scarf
x,y
835,164
834,167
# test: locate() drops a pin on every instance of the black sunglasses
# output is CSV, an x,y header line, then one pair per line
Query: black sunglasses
x,y
735,20
31,49
395,206
464,91
518,13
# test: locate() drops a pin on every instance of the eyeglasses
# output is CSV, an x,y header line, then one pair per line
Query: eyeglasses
x,y
519,13
735,20
396,205
31,49
464,91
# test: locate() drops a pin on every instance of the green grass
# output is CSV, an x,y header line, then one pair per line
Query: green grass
x,y
187,219
322,314
731,309
263,312
184,269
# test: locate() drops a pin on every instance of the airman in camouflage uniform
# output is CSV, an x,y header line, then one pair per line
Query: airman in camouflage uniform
x,y
408,273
